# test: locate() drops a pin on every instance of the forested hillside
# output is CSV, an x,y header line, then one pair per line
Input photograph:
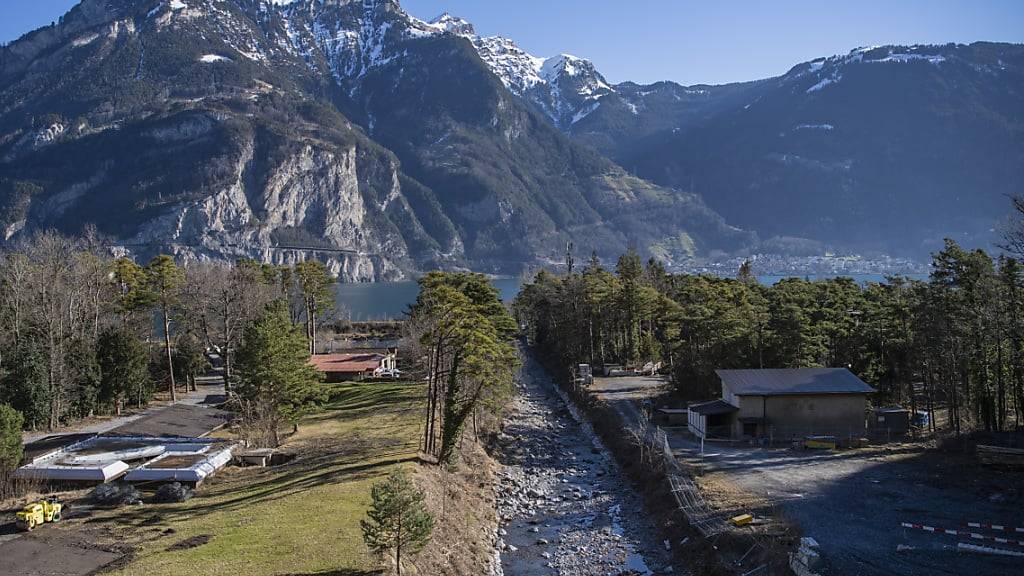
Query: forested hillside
x,y
956,339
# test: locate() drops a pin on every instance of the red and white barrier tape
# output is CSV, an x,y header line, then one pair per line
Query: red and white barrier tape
x,y
993,527
963,533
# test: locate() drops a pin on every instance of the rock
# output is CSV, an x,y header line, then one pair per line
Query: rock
x,y
542,542
115,494
172,493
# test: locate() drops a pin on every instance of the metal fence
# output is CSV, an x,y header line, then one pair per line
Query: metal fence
x,y
687,495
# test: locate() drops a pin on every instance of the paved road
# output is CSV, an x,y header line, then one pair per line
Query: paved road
x,y
853,502
51,551
210,392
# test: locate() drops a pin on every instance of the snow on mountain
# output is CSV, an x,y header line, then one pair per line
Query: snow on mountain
x,y
453,24
564,87
829,71
348,38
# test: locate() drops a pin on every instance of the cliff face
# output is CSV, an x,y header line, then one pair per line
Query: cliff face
x,y
312,189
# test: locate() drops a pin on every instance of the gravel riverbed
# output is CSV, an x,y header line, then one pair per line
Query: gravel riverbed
x,y
563,504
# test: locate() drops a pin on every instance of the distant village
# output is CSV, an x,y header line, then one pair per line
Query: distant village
x,y
811,266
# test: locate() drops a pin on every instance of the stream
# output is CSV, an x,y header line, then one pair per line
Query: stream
x,y
564,506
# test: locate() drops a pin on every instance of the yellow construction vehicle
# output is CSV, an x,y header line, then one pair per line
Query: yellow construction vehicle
x,y
38,513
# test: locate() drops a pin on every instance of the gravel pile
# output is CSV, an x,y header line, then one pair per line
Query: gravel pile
x,y
563,505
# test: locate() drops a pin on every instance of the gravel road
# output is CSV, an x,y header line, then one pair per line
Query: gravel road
x,y
564,506
853,504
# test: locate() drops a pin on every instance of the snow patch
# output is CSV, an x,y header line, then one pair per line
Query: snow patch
x,y
903,58
178,5
586,111
834,78
210,58
84,40
826,127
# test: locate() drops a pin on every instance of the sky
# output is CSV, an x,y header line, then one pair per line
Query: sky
x,y
688,41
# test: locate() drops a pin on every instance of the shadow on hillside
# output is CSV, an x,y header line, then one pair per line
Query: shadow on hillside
x,y
856,513
264,491
341,572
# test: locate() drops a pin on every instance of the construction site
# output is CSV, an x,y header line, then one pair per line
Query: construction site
x,y
865,501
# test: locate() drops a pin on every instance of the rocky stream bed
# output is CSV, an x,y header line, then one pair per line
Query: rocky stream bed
x,y
564,506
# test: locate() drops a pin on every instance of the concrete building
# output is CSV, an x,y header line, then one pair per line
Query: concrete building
x,y
783,403
355,365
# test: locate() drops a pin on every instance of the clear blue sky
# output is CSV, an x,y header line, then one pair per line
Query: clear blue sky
x,y
689,41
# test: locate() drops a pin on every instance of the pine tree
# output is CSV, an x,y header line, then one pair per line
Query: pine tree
x,y
124,368
133,292
315,282
25,385
164,280
399,522
273,368
10,438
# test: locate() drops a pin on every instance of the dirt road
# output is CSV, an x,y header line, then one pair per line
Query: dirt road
x,y
564,507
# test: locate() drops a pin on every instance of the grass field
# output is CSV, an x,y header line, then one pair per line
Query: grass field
x,y
299,518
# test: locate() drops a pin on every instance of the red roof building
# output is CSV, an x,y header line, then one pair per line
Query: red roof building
x,y
353,366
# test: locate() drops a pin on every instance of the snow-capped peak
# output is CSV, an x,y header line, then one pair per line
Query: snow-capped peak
x,y
564,64
357,35
453,24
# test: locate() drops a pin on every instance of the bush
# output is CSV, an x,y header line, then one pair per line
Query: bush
x,y
10,438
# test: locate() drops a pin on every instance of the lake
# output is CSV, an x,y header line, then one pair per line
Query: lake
x,y
389,300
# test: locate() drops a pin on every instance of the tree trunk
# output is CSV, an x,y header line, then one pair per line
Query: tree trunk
x,y
167,348
398,546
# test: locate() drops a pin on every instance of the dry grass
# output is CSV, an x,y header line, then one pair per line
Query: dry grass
x,y
298,518
462,499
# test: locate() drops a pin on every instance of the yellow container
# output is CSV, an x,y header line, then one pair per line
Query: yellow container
x,y
820,443
741,520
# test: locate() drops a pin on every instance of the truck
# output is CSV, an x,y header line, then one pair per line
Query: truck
x,y
38,513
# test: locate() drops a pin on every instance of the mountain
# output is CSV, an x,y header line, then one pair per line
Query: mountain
x,y
886,149
889,149
340,129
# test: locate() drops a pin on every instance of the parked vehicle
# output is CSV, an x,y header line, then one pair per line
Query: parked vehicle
x,y
393,373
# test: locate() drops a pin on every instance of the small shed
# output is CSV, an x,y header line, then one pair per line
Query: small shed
x,y
672,416
711,419
892,421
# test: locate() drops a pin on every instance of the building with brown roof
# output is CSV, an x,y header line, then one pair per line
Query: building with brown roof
x,y
355,365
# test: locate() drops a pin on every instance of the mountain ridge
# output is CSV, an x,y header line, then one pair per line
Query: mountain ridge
x,y
230,128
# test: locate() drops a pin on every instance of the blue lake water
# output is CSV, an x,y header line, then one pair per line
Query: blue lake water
x,y
390,300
